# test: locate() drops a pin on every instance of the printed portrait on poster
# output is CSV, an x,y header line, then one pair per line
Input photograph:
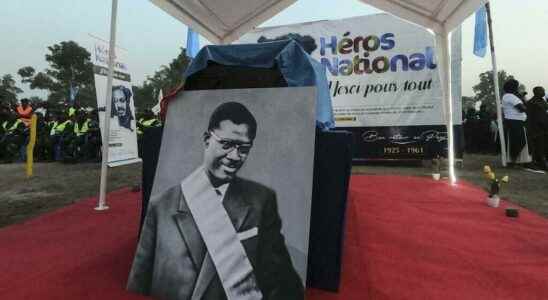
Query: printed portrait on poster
x,y
122,148
230,209
121,106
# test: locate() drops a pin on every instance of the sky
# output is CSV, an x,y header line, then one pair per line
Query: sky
x,y
153,38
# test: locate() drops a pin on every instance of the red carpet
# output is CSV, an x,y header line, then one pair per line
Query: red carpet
x,y
407,238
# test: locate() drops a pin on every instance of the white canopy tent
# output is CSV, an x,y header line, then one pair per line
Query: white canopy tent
x,y
223,22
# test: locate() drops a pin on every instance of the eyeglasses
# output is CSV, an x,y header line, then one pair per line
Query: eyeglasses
x,y
229,145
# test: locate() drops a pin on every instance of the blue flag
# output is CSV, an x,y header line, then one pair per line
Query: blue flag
x,y
73,92
192,43
480,34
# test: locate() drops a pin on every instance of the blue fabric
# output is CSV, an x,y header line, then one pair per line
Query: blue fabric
x,y
324,108
192,43
73,92
480,33
296,66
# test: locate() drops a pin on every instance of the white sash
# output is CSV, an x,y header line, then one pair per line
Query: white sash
x,y
220,237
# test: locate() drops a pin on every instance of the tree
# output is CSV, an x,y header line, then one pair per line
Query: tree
x,y
69,65
8,90
468,103
485,88
26,73
166,79
36,100
145,96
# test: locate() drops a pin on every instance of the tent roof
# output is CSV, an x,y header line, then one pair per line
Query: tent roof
x,y
439,15
224,21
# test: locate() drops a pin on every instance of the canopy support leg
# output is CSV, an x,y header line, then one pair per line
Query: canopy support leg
x,y
102,204
444,60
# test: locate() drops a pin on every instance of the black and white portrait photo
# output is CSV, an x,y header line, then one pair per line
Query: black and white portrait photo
x,y
230,208
121,106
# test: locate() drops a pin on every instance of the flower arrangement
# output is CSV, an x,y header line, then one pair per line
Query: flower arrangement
x,y
494,185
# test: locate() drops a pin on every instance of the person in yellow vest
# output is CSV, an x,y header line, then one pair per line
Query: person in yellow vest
x,y
92,147
4,125
140,126
62,133
81,126
13,137
81,130
64,124
4,119
24,111
51,126
151,123
147,120
71,111
52,123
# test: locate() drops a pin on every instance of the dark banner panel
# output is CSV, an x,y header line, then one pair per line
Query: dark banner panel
x,y
332,169
403,142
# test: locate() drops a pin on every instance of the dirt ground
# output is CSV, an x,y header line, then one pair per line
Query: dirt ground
x,y
56,185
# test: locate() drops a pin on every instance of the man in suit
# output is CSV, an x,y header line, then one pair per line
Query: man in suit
x,y
216,236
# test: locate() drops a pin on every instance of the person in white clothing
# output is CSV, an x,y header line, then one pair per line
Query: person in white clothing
x,y
514,124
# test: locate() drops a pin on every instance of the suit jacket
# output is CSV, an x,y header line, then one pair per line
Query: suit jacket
x,y
172,263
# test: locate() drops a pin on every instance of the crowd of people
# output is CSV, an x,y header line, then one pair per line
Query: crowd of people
x,y
73,135
481,131
525,128
68,135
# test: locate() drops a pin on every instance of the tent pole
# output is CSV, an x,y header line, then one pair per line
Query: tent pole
x,y
497,87
443,43
102,204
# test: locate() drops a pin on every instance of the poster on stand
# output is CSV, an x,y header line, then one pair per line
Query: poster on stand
x,y
384,82
229,214
123,134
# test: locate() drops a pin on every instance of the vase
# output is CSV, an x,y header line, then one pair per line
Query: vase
x,y
436,176
493,201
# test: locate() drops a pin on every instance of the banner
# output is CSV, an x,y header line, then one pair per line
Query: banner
x,y
123,139
383,79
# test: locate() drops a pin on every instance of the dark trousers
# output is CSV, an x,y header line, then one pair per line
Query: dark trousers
x,y
538,149
515,137
546,146
23,149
